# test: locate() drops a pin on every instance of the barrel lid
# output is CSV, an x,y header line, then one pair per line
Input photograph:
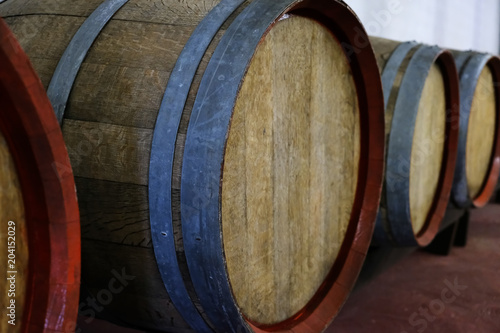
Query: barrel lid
x,y
35,142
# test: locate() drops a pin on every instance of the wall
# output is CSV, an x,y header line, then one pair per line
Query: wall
x,y
457,24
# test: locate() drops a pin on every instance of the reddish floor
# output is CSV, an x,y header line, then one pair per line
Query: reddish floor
x,y
88,325
414,295
398,300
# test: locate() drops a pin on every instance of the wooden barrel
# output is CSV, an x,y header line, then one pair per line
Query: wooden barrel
x,y
228,156
478,160
421,94
40,235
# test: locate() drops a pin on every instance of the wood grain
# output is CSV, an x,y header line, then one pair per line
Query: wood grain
x,y
108,152
143,302
131,87
131,94
427,148
481,133
114,212
290,171
182,13
185,12
139,44
177,12
12,209
33,32
48,7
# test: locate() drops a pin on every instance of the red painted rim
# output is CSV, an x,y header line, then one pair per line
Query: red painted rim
x,y
491,179
35,140
442,197
317,315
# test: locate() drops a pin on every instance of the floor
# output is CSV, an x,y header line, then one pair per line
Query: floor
x,y
459,293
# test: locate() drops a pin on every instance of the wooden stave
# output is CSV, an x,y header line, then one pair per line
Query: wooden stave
x,y
470,65
373,190
160,184
48,190
389,230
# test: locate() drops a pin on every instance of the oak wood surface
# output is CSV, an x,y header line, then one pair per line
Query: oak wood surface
x,y
142,301
183,12
48,7
108,152
114,212
481,132
12,209
34,32
290,171
427,148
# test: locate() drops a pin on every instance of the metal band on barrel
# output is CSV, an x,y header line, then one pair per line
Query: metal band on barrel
x,y
400,144
381,233
391,69
162,157
470,67
68,67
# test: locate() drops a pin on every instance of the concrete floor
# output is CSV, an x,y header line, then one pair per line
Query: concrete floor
x,y
459,293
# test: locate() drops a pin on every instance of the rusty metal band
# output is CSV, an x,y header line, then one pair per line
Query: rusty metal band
x,y
470,66
69,65
392,67
396,227
162,158
397,184
382,234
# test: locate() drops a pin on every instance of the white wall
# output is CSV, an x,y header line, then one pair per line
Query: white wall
x,y
457,24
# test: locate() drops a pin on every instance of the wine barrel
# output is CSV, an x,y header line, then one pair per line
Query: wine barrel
x,y
421,94
228,156
40,235
478,161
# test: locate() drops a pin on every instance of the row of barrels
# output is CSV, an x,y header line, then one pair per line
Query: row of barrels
x,y
232,159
